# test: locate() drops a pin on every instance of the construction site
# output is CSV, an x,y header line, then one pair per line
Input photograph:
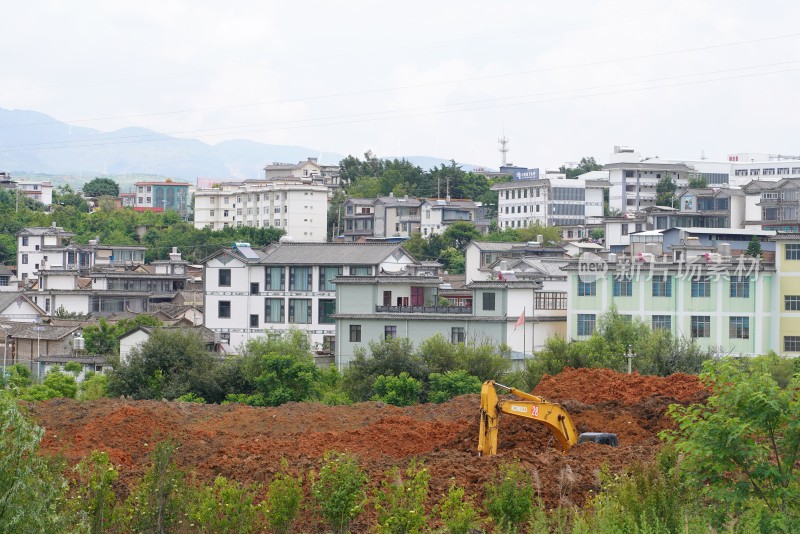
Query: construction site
x,y
247,444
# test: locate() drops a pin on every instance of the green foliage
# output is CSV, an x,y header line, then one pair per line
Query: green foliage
x,y
94,386
698,182
399,502
665,191
18,376
551,235
339,490
93,499
103,337
586,164
225,507
191,397
741,447
438,354
388,357
284,496
597,233
73,367
400,390
31,487
158,502
754,248
55,384
457,512
100,186
169,364
510,497
646,498
459,234
445,386
484,360
329,387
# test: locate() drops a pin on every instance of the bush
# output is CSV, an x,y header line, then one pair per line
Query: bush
x,y
94,386
225,506
399,502
191,397
94,499
444,387
339,490
284,496
510,497
402,390
55,384
457,512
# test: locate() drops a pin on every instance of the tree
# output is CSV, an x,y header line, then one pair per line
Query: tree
x,y
445,386
99,187
741,448
698,181
31,487
339,490
459,234
587,164
401,390
754,248
400,503
665,191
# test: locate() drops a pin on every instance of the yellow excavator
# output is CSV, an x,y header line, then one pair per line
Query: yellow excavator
x,y
550,414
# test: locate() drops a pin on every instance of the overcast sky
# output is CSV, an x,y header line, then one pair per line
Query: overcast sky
x,y
561,80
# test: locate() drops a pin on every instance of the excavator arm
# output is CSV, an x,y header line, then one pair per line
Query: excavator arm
x,y
550,414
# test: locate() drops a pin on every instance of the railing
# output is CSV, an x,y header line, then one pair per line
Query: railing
x,y
462,310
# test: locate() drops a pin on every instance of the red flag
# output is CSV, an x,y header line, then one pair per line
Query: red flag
x,y
520,321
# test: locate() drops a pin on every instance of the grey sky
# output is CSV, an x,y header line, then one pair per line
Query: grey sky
x,y
670,78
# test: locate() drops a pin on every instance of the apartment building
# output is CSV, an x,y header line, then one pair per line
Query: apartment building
x,y
327,175
571,204
297,206
37,244
776,205
438,214
708,208
288,285
161,196
723,302
787,299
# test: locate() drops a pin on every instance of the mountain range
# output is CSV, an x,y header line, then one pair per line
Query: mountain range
x,y
32,143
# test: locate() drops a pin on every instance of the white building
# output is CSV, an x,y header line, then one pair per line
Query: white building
x,y
571,204
34,244
298,206
437,214
38,191
288,285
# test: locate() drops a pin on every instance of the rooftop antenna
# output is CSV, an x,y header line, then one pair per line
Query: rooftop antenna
x,y
503,146
702,154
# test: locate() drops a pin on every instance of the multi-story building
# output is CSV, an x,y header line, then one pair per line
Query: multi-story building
x,y
40,191
436,215
327,175
724,303
633,183
708,208
776,205
288,285
501,312
297,206
35,244
162,196
787,297
572,204
481,258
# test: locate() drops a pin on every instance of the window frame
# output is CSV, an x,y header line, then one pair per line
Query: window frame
x,y
739,327
587,324
488,301
662,286
739,284
700,326
657,322
701,286
390,331
355,333
224,275
221,304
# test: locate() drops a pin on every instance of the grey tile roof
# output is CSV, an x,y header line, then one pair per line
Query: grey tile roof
x,y
7,298
648,166
44,230
329,253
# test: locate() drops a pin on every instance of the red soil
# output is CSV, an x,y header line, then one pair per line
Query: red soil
x,y
247,443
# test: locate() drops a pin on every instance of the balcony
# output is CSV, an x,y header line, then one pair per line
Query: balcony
x,y
459,310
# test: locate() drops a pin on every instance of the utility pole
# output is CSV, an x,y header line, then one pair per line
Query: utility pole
x,y
630,356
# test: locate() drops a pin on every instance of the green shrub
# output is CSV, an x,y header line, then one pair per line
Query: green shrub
x,y
73,367
191,397
445,386
225,506
510,497
457,512
401,390
284,496
400,502
339,490
93,500
94,386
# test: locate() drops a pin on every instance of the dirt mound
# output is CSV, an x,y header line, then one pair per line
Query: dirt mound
x,y
247,443
591,386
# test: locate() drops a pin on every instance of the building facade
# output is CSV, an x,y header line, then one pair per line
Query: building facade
x,y
161,196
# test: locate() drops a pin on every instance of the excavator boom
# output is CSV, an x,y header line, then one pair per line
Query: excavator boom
x,y
550,414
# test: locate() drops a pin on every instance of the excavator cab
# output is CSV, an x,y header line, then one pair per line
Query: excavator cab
x,y
602,438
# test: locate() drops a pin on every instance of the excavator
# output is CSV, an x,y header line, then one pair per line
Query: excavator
x,y
550,414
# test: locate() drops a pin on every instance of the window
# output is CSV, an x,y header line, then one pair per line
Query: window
x,y
254,320
662,322
300,278
224,309
793,252
739,328
360,270
587,289
550,301
488,301
701,286
326,276
662,286
224,278
355,333
4,280
791,343
791,302
740,287
586,322
389,332
624,228
458,335
327,307
254,288
300,311
329,343
623,287
701,326
25,241
273,310
24,259
275,279
211,213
